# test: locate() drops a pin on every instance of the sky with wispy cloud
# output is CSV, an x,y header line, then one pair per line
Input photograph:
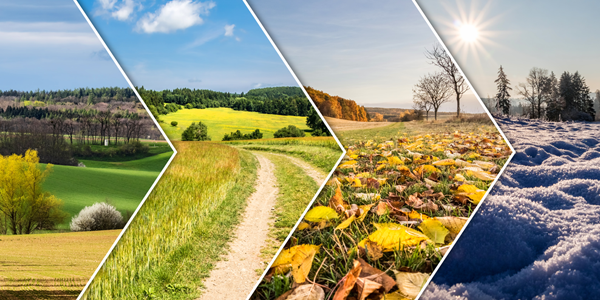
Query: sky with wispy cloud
x,y
203,44
371,52
48,44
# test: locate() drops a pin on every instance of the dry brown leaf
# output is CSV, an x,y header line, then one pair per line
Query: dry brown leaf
x,y
410,284
348,282
307,292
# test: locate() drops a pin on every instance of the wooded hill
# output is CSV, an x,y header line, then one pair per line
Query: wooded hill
x,y
337,107
286,100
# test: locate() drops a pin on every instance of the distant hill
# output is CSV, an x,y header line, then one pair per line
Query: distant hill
x,y
338,107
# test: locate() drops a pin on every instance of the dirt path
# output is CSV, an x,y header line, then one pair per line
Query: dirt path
x,y
317,175
235,276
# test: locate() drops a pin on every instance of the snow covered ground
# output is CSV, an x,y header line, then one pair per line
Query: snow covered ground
x,y
537,236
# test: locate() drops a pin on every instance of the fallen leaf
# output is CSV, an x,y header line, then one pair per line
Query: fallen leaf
x,y
366,287
307,292
368,196
348,282
337,201
410,284
346,223
414,201
320,213
373,250
434,229
444,162
392,237
303,225
454,224
302,261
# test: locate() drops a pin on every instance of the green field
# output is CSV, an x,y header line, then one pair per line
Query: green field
x,y
121,183
221,121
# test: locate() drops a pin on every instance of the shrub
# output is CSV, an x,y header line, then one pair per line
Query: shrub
x,y
290,131
174,123
196,132
100,216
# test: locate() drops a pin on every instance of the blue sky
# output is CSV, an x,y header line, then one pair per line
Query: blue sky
x,y
171,44
47,44
519,35
371,53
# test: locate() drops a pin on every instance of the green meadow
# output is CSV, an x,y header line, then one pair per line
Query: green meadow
x,y
221,121
122,183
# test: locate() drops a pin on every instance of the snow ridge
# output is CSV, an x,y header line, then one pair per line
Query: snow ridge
x,y
537,235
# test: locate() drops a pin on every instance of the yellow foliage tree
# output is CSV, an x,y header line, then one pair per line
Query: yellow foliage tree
x,y
23,203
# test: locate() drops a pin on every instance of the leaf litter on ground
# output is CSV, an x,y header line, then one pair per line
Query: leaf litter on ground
x,y
392,208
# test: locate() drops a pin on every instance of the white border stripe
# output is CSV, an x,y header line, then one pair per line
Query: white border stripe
x,y
159,128
497,127
328,127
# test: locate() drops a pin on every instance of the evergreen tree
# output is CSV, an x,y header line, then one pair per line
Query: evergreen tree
x,y
314,121
503,96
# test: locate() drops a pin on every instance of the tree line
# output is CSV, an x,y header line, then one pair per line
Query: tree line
x,y
288,101
79,95
337,107
548,97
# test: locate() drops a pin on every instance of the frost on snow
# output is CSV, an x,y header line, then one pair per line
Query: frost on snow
x,y
537,236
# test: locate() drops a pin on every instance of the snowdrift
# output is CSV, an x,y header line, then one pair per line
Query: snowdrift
x,y
537,235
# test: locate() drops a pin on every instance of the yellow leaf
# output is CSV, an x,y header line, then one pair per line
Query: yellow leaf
x,y
302,261
394,296
444,162
476,197
356,183
434,230
466,188
394,160
320,213
416,215
454,224
410,284
365,211
391,236
346,223
430,169
303,225
459,177
381,166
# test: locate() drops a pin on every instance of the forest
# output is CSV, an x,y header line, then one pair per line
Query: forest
x,y
58,128
76,96
287,101
545,96
337,107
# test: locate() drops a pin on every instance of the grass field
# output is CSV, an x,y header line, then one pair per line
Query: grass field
x,y
221,121
121,182
80,187
52,265
182,228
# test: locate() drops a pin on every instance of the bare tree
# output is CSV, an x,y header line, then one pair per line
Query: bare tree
x,y
536,90
422,105
434,89
440,58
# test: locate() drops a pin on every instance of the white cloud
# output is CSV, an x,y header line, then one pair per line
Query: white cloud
x,y
107,4
229,30
124,11
47,33
175,15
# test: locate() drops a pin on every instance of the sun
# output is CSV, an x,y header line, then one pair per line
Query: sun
x,y
469,33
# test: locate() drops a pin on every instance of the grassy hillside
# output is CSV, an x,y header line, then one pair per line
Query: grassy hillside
x,y
221,121
80,187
